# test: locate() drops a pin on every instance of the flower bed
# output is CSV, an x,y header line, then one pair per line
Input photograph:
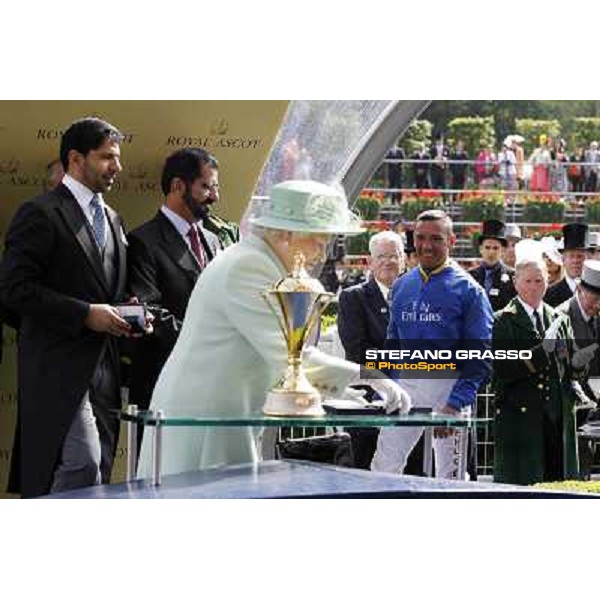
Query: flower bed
x,y
477,206
413,205
368,204
543,209
592,210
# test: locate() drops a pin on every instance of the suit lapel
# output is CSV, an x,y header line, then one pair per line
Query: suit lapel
x,y
376,303
77,223
523,321
120,247
209,253
175,247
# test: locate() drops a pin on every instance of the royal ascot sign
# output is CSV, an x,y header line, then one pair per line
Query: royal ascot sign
x,y
239,133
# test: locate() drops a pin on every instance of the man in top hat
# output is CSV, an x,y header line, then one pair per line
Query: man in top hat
x,y
583,309
575,245
512,234
493,275
231,350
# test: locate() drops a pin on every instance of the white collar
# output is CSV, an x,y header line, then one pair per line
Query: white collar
x,y
385,291
82,193
178,221
572,283
530,310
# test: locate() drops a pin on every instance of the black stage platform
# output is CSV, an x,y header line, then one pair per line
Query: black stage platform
x,y
300,479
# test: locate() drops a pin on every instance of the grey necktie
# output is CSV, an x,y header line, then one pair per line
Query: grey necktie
x,y
98,221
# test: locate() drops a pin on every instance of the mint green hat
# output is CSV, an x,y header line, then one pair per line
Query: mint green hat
x,y
310,207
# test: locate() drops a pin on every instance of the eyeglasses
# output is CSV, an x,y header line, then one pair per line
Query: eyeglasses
x,y
387,257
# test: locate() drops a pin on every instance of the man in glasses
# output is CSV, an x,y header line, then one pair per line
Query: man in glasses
x,y
166,256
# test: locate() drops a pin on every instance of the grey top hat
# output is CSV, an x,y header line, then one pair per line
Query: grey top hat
x,y
590,277
512,232
308,207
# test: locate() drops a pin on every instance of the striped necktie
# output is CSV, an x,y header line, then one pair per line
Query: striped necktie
x,y
98,221
196,246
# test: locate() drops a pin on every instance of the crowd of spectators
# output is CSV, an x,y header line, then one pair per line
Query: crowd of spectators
x,y
550,168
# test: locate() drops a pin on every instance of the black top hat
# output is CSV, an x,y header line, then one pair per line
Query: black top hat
x,y
575,236
410,242
494,230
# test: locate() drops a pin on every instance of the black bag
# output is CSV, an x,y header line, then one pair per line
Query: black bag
x,y
333,449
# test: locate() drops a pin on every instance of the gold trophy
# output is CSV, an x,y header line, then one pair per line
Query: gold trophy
x,y
300,300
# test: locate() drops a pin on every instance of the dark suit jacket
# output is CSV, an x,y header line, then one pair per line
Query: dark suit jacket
x,y
502,281
162,273
558,293
50,274
585,334
363,317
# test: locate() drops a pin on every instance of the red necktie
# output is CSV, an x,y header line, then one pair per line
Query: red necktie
x,y
197,249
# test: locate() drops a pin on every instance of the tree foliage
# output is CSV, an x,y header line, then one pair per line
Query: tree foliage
x,y
531,129
474,131
585,130
417,135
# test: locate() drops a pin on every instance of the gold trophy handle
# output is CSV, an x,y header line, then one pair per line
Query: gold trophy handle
x,y
280,322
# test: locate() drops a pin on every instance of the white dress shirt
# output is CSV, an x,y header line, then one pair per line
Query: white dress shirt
x,y
84,197
530,310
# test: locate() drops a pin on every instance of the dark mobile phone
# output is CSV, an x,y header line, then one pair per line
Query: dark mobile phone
x,y
135,315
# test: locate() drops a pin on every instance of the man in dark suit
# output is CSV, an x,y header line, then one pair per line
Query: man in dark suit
x,y
63,271
575,245
363,317
493,275
363,320
166,255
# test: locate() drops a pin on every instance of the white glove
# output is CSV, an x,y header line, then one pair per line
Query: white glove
x,y
549,342
584,356
329,374
394,397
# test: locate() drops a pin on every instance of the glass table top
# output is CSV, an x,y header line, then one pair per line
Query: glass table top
x,y
332,420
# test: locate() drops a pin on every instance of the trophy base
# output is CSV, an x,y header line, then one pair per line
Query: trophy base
x,y
289,404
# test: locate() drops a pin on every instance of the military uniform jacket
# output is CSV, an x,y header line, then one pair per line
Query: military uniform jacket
x,y
527,391
502,290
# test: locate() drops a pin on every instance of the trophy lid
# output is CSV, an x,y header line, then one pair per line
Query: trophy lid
x,y
299,280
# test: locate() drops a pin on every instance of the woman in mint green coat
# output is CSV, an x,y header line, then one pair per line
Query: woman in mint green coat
x,y
231,350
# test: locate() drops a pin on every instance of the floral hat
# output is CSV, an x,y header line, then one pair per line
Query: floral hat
x,y
309,207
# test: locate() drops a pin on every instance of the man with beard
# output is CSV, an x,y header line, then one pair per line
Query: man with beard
x,y
166,256
63,271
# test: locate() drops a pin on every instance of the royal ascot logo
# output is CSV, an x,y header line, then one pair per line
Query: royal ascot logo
x,y
9,166
219,126
324,210
139,171
52,134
